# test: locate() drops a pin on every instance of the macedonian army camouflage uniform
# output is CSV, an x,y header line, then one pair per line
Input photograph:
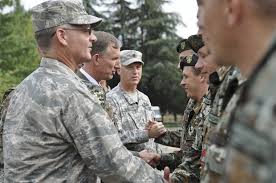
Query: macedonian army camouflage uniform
x,y
131,119
98,92
187,161
211,164
175,139
189,169
251,153
55,131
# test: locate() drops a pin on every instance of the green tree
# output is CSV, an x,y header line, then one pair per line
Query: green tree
x,y
18,53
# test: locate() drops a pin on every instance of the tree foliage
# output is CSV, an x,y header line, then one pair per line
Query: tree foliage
x,y
18,56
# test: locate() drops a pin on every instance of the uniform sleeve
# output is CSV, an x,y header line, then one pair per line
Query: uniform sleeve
x,y
170,138
135,136
172,160
189,169
96,140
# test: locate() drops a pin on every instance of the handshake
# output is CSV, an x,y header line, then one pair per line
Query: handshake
x,y
155,129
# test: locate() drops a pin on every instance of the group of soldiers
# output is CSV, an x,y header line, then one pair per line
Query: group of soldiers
x,y
60,125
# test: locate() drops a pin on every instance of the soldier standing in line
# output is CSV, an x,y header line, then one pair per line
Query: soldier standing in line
x,y
251,47
196,88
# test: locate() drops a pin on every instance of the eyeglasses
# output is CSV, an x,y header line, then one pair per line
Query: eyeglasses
x,y
87,29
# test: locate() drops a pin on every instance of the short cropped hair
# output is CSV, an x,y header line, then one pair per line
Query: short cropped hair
x,y
103,41
44,38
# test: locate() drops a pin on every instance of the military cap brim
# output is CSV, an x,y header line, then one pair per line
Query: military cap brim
x,y
86,20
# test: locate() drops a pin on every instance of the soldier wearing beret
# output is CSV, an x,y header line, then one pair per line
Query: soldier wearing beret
x,y
54,129
196,87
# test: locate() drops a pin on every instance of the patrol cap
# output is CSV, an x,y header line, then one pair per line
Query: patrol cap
x,y
196,42
130,56
183,45
54,13
190,60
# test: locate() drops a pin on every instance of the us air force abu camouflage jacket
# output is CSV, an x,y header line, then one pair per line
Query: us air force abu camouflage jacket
x,y
54,131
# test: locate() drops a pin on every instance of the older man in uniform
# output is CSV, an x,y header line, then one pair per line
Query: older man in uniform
x,y
252,48
54,129
104,63
131,108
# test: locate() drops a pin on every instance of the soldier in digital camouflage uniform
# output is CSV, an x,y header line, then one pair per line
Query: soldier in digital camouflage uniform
x,y
54,129
104,62
3,109
131,108
250,156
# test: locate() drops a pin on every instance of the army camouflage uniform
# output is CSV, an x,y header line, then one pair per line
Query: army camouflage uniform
x,y
187,160
131,119
55,131
175,138
189,169
212,163
251,151
98,92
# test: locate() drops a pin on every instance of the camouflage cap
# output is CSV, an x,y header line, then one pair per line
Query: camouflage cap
x,y
190,60
130,56
59,12
195,42
183,45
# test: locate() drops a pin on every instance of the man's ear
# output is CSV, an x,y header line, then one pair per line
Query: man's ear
x,y
97,59
233,12
61,36
202,79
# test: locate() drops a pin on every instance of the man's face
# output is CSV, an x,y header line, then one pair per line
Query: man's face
x,y
79,43
131,74
117,66
205,63
107,61
216,34
190,82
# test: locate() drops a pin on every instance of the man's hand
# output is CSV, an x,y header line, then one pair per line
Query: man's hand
x,y
155,129
150,157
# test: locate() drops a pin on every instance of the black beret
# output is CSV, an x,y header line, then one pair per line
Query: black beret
x,y
190,60
195,42
183,45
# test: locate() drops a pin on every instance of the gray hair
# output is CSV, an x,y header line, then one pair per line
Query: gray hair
x,y
103,41
44,38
